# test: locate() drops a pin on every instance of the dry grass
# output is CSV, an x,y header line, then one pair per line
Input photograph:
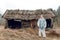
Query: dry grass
x,y
23,34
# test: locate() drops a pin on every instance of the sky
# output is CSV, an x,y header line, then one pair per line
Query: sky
x,y
28,4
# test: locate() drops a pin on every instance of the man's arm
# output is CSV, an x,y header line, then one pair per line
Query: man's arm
x,y
38,22
45,24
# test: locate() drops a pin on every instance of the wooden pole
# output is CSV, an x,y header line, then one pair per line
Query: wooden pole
x,y
51,22
32,24
6,24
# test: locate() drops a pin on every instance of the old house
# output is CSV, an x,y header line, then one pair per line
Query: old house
x,y
26,18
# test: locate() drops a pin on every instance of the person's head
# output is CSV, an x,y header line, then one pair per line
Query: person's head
x,y
41,16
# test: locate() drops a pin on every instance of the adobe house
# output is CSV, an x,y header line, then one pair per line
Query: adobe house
x,y
26,18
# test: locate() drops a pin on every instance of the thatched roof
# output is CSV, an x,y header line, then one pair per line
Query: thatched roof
x,y
27,14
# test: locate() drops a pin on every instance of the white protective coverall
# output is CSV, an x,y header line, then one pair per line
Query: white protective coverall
x,y
42,25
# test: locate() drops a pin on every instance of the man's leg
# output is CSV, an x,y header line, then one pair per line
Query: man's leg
x,y
39,32
43,33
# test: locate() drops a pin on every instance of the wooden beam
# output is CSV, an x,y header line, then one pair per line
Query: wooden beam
x,y
6,23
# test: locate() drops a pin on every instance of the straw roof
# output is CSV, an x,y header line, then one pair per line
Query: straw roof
x,y
27,14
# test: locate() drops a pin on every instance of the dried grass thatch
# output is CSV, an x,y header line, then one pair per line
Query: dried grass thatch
x,y
27,14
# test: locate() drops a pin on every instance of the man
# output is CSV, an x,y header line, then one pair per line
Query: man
x,y
42,25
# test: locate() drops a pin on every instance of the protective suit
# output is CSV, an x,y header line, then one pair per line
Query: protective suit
x,y
42,25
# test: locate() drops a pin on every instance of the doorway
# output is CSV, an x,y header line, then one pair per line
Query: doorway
x,y
48,23
14,24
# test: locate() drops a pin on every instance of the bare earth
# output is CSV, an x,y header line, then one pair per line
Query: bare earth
x,y
25,34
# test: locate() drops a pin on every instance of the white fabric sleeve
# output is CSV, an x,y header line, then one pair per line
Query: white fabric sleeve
x,y
45,24
38,23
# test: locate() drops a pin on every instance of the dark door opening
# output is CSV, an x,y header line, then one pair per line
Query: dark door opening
x,y
48,23
14,24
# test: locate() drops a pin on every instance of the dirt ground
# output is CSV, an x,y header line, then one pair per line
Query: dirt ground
x,y
26,34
